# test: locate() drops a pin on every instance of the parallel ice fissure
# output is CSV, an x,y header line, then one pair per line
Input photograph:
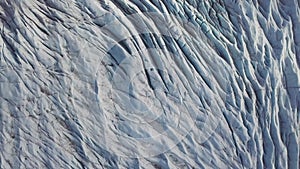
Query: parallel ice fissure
x,y
216,82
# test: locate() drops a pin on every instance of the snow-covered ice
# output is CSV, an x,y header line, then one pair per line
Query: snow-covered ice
x,y
149,84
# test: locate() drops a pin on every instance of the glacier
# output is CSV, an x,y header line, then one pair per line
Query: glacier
x,y
150,84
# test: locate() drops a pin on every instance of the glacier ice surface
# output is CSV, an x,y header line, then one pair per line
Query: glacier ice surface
x,y
149,84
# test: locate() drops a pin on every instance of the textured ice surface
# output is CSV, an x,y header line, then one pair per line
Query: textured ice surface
x,y
149,84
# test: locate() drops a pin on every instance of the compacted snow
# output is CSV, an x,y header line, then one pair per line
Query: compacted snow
x,y
149,84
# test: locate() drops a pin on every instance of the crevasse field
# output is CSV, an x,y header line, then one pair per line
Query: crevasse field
x,y
150,84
